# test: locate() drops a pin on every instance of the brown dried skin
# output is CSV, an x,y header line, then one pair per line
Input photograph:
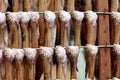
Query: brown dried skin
x,y
77,32
59,5
47,69
19,70
49,42
21,5
31,71
34,38
64,35
8,70
25,37
15,5
90,65
70,5
27,5
25,44
2,43
73,61
59,68
90,60
41,23
50,35
13,34
114,5
88,5
3,5
117,57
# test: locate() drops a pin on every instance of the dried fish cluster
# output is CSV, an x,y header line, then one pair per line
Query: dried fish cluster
x,y
24,30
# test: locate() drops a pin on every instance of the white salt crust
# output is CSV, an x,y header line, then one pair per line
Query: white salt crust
x,y
60,51
49,16
117,48
92,49
9,53
13,16
64,16
116,16
91,17
74,50
2,18
34,16
77,15
25,16
19,53
115,78
47,52
30,53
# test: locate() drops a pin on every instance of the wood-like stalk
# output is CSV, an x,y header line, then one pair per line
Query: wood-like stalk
x,y
70,5
2,44
31,74
19,70
64,35
77,33
25,37
59,5
50,35
47,69
73,60
39,66
59,69
8,70
41,8
27,5
34,39
15,5
21,5
13,35
88,5
91,39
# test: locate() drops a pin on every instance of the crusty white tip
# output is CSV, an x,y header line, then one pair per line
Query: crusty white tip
x,y
49,16
116,16
91,17
34,16
74,50
47,51
25,16
30,53
2,18
115,78
9,53
117,48
88,79
77,15
60,51
64,16
1,55
19,54
92,49
13,16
